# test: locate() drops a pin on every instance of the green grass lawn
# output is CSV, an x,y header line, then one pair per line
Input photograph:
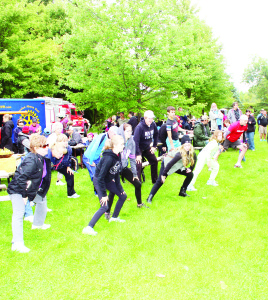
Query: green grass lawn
x,y
212,245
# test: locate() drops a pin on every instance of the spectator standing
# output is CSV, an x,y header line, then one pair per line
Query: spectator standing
x,y
262,122
145,133
234,113
23,140
173,128
224,116
34,126
251,130
216,117
6,132
133,121
201,132
17,130
122,119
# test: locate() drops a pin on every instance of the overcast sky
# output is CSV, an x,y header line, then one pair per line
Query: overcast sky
x,y
241,27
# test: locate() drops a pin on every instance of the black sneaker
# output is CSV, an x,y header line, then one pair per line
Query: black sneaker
x,y
183,193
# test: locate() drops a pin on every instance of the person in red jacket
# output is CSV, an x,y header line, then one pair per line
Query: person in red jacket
x,y
232,138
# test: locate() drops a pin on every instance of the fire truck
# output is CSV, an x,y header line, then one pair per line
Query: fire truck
x,y
45,110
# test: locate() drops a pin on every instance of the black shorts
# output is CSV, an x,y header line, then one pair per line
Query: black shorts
x,y
227,144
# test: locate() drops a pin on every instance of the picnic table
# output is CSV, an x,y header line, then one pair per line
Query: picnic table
x,y
8,166
78,150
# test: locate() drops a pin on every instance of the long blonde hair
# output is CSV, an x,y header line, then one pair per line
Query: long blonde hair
x,y
187,158
215,136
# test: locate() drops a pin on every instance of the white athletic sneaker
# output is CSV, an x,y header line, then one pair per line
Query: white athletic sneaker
x,y
116,220
209,169
49,209
238,166
191,188
29,218
74,196
44,226
213,183
60,183
19,247
89,230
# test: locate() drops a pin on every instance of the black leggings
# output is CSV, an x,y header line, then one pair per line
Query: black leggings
x,y
69,179
110,186
126,173
159,183
152,161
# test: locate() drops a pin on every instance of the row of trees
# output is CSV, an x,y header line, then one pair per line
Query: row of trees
x,y
256,76
112,56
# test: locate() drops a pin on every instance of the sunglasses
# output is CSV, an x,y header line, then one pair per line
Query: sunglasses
x,y
45,146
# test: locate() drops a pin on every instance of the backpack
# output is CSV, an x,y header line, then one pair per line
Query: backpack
x,y
74,163
72,143
162,134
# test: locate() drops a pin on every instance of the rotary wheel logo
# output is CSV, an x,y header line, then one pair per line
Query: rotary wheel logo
x,y
28,118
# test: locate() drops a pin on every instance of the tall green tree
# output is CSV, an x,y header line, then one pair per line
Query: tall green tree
x,y
140,55
256,75
27,56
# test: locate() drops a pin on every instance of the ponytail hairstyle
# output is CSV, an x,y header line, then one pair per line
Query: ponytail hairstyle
x,y
215,136
187,158
114,141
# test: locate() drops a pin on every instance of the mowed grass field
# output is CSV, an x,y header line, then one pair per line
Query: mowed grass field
x,y
212,245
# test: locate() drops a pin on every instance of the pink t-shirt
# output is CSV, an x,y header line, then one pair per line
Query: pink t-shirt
x,y
235,131
33,129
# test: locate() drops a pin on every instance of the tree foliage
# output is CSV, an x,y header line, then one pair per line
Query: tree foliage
x,y
140,55
256,75
106,57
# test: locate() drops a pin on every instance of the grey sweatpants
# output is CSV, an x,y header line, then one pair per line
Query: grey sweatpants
x,y
18,213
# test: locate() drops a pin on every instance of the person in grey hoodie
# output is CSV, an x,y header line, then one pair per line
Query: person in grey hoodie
x,y
129,152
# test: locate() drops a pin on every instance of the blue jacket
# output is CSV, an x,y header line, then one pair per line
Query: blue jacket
x,y
93,151
63,162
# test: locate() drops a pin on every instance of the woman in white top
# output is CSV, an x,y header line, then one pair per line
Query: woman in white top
x,y
216,117
208,155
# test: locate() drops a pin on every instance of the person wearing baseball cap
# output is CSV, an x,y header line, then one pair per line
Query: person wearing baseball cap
x,y
145,133
201,132
182,161
34,126
23,140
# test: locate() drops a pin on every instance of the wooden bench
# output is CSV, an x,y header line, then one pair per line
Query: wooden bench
x,y
4,174
146,163
4,198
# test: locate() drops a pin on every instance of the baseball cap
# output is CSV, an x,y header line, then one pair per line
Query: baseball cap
x,y
25,129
